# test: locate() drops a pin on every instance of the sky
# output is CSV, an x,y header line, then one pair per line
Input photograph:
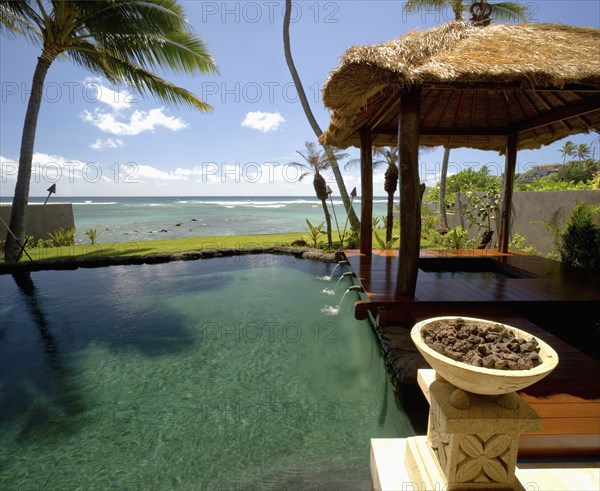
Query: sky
x,y
95,139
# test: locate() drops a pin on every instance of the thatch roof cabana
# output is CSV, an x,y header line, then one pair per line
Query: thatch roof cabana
x,y
475,80
501,87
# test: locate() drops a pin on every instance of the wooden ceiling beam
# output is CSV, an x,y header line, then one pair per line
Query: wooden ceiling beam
x,y
429,131
580,108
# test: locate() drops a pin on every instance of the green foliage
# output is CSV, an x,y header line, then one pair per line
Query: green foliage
x,y
519,243
92,235
314,233
62,237
429,221
578,171
386,245
377,222
455,238
579,239
596,181
461,182
482,206
549,183
353,239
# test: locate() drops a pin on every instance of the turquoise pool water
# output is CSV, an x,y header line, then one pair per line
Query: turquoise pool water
x,y
210,375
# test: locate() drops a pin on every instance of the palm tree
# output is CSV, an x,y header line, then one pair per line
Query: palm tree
x,y
567,150
390,157
339,179
316,161
123,41
582,151
510,11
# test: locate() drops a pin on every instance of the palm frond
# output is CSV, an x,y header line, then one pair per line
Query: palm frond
x,y
123,71
19,19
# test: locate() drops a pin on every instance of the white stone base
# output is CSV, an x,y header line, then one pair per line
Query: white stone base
x,y
395,464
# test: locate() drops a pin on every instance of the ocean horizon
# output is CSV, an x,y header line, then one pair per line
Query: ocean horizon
x,y
135,218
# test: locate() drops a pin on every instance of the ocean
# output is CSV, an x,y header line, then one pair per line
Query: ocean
x,y
120,219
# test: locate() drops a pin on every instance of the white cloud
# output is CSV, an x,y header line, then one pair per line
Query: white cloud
x,y
101,144
139,121
149,172
117,99
262,121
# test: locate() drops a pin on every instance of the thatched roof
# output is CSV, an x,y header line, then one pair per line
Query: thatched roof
x,y
479,84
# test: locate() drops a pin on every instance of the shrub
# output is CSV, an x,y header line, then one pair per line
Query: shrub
x,y
62,237
579,239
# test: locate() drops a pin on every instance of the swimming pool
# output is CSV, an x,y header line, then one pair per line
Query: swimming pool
x,y
210,374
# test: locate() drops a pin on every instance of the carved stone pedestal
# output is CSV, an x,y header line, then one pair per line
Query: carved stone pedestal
x,y
472,440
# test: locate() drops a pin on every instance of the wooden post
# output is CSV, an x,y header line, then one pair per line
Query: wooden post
x,y
366,193
507,191
411,191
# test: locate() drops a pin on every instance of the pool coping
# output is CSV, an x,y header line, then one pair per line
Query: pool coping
x,y
71,263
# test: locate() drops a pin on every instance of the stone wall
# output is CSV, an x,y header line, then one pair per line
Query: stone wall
x,y
41,219
530,210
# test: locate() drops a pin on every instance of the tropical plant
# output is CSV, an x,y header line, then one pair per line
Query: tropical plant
x,y
456,238
314,232
482,206
354,222
92,235
315,162
123,41
519,243
63,237
429,221
567,150
386,245
376,222
579,239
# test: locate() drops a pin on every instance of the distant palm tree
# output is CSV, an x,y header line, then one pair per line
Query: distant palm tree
x,y
510,11
567,150
315,162
582,151
390,157
123,41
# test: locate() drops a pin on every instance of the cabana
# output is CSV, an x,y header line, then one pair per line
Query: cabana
x,y
500,87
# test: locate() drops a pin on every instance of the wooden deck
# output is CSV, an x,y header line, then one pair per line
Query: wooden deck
x,y
568,400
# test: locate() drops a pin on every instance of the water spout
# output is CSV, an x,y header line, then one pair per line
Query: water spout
x,y
340,263
354,288
347,274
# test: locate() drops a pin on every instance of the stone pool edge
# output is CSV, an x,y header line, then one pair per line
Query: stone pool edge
x,y
163,257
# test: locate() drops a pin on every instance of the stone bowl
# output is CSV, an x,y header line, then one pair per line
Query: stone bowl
x,y
480,380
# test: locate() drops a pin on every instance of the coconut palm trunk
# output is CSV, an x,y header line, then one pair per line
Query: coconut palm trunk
x,y
18,216
100,36
390,186
443,177
321,191
339,179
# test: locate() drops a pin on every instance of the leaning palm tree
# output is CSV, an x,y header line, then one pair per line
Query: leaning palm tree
x,y
510,11
567,150
315,162
339,179
123,41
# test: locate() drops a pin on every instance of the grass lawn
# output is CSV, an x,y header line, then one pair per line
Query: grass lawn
x,y
142,248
